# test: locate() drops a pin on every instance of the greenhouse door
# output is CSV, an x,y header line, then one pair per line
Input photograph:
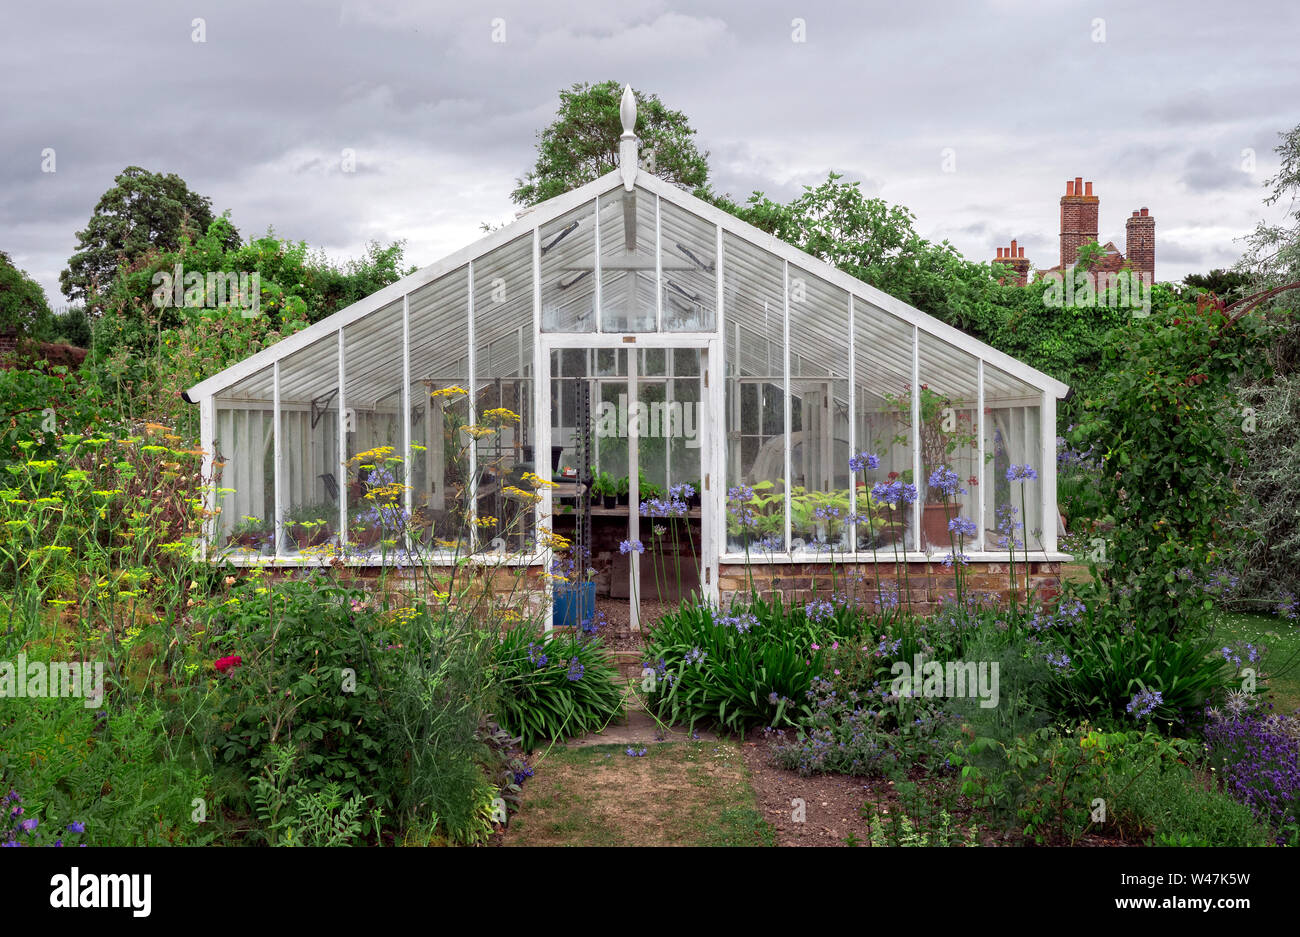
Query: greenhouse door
x,y
628,429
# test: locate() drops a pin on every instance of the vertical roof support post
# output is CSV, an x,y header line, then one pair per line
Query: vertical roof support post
x,y
918,468
981,472
472,409
408,476
207,425
277,527
1047,471
541,415
851,530
785,365
343,447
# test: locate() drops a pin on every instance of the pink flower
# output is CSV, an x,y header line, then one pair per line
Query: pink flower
x,y
225,663
835,647
816,647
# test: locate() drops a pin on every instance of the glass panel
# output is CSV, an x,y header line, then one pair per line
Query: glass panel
x,y
568,257
503,363
755,398
949,438
819,414
440,470
689,269
313,469
1012,440
245,467
627,262
882,380
376,470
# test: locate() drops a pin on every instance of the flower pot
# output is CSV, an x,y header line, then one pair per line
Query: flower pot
x,y
624,499
934,523
609,501
575,602
304,536
365,536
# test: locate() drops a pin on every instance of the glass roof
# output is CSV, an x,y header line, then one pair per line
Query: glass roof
x,y
648,260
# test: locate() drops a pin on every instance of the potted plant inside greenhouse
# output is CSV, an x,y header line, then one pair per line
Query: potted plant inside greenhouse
x,y
945,431
604,489
252,534
311,525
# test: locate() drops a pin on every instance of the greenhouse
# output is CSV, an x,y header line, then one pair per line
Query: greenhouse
x,y
622,359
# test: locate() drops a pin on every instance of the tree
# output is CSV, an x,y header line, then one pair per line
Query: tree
x,y
142,211
581,144
23,309
1225,284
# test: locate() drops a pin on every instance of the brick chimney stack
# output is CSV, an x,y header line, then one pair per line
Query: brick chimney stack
x,y
1079,208
1140,243
1014,257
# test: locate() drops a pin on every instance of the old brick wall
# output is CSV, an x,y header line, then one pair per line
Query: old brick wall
x,y
929,582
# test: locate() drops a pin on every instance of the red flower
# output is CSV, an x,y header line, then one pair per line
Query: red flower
x,y
972,481
227,662
892,476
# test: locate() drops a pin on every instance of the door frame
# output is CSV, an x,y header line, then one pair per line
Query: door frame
x,y
711,445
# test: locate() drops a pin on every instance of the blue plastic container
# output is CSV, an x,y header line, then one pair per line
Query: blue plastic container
x,y
575,602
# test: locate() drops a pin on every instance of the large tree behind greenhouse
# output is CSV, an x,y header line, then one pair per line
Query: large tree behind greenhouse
x,y
581,144
142,211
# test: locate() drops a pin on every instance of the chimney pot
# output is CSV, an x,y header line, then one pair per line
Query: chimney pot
x,y
1022,252
1069,187
1144,213
1135,213
1078,185
1087,188
999,253
1013,247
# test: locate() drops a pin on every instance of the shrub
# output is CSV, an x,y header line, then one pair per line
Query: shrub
x,y
1108,667
1175,809
553,686
1259,765
752,666
312,673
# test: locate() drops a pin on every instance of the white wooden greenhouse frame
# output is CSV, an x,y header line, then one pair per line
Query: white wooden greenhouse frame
x,y
854,343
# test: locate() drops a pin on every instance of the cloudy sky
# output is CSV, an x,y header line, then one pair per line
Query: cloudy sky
x,y
1160,104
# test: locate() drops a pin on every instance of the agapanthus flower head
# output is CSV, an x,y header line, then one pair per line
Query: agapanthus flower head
x,y
631,546
864,462
819,610
1021,473
962,527
681,491
1144,703
946,482
576,670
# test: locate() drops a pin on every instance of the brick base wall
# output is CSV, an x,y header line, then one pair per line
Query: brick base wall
x,y
927,583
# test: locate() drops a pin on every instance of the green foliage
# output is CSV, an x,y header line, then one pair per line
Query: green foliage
x,y
1165,427
582,143
757,677
1269,534
312,675
1176,809
143,211
23,307
291,815
119,773
1111,662
536,698
27,396
1050,781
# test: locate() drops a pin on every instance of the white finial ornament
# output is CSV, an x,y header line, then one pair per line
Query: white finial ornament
x,y
627,149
